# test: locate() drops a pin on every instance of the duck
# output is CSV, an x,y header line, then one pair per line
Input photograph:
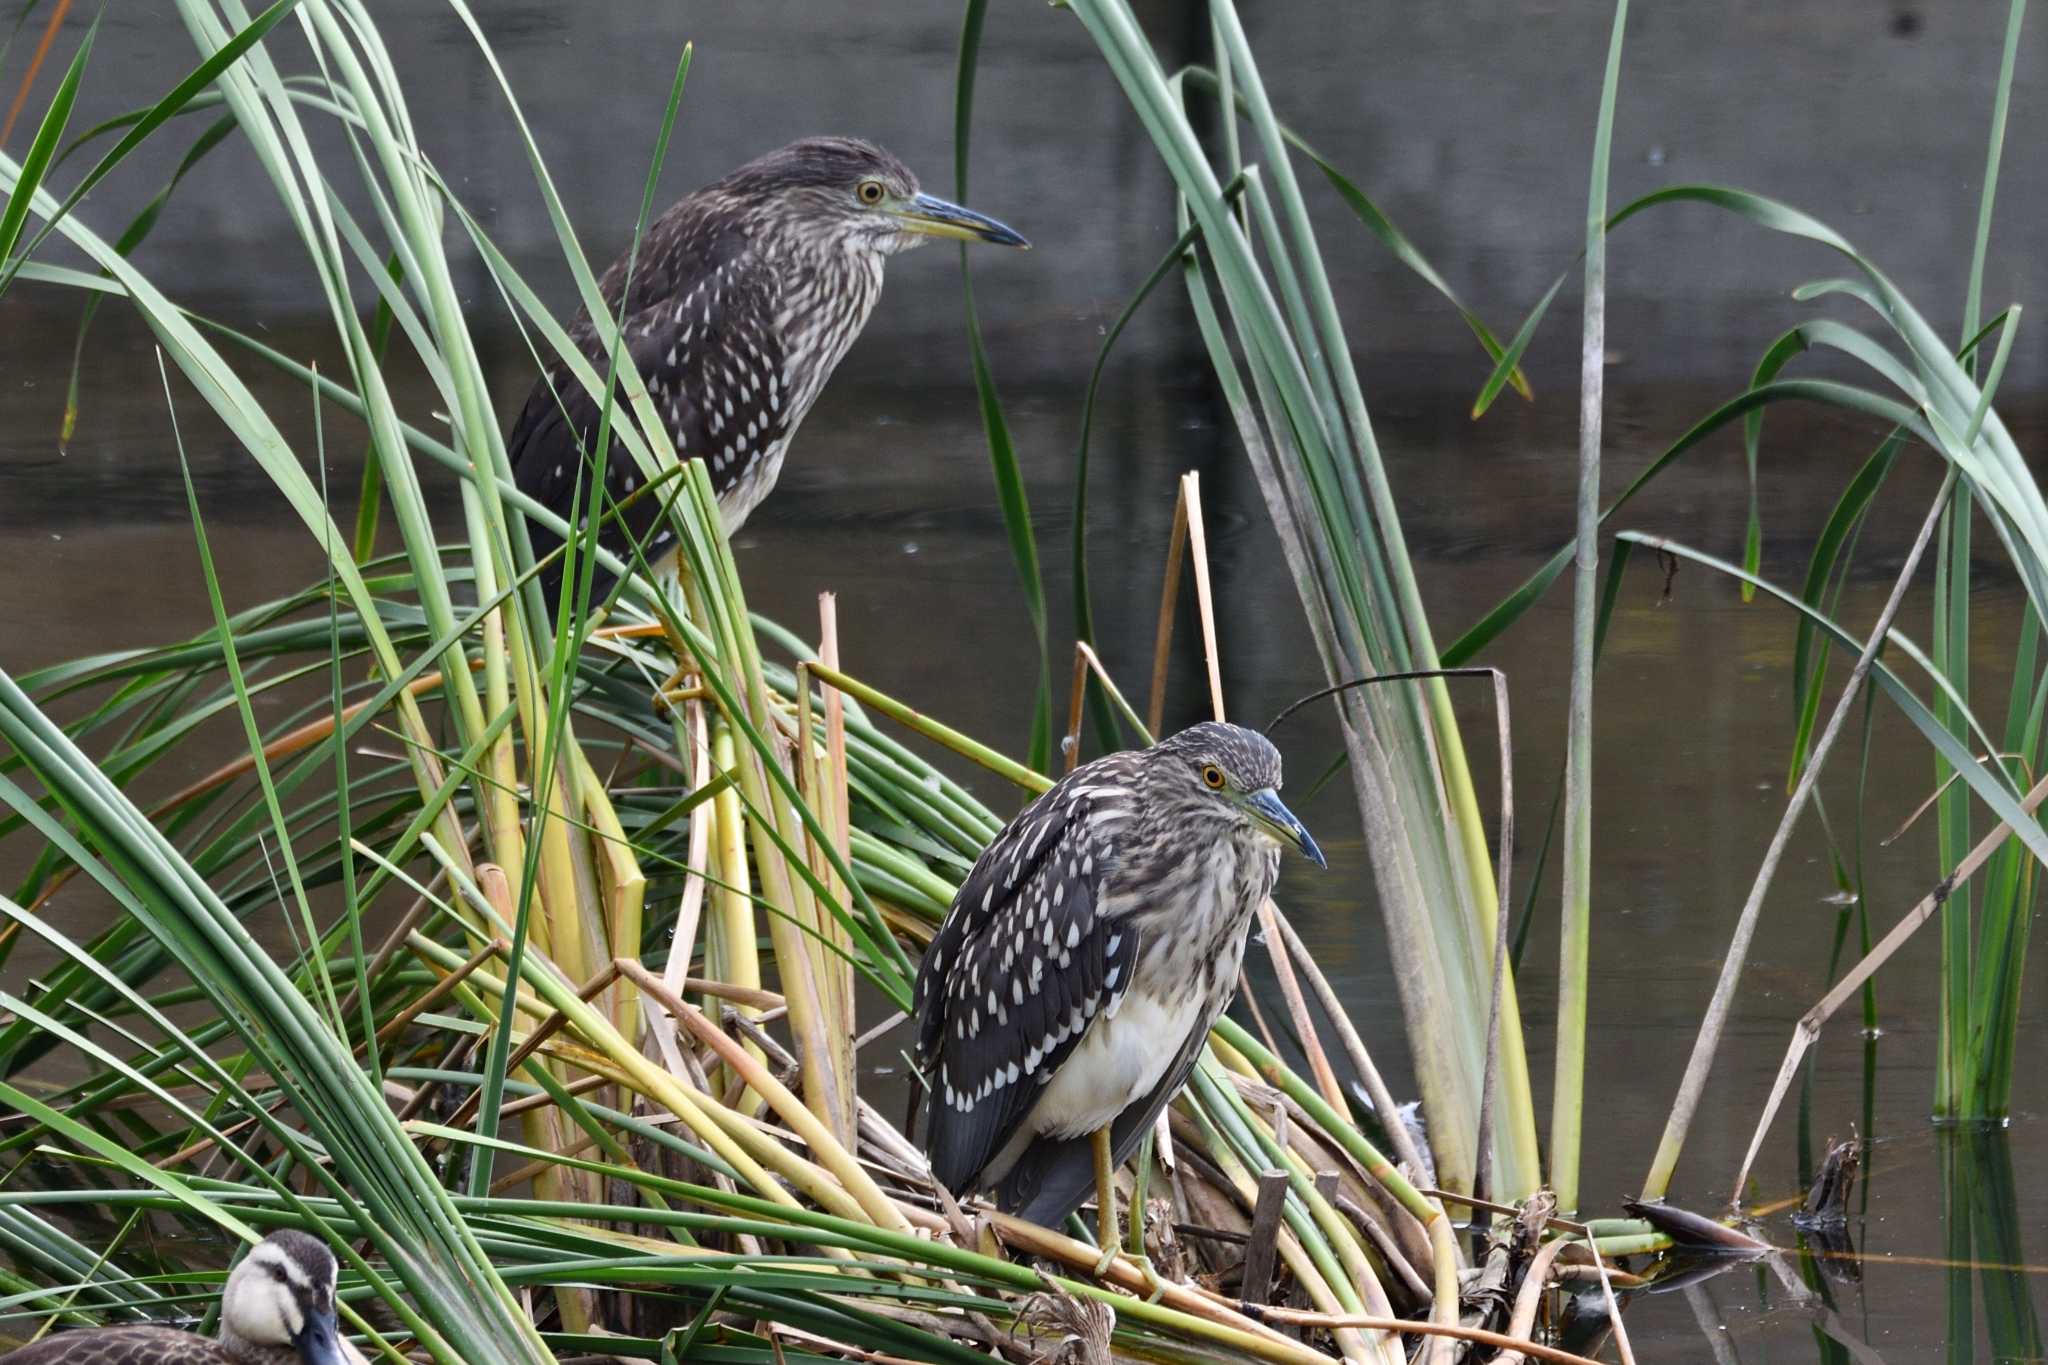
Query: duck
x,y
278,1309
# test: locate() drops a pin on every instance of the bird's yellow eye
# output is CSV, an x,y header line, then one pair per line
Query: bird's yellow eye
x,y
870,191
1212,777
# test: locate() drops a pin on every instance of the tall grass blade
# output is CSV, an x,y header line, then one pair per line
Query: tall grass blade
x,y
1567,1096
172,104
1966,1055
14,216
52,26
1302,416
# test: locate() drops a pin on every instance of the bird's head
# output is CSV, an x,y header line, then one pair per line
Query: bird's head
x,y
1228,773
282,1295
848,193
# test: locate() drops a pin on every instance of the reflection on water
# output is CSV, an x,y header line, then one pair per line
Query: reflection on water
x,y
886,499
1837,1283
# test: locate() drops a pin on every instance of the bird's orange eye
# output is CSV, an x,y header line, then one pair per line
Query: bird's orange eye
x,y
1212,777
870,191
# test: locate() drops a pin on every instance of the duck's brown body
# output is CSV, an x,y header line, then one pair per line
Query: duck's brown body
x,y
140,1345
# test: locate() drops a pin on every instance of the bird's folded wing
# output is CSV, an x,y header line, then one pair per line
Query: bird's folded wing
x,y
552,447
712,360
1020,968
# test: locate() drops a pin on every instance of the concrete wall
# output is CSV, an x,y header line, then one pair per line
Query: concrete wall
x,y
1470,123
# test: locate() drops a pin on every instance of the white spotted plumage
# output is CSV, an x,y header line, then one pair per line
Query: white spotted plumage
x,y
1104,928
744,298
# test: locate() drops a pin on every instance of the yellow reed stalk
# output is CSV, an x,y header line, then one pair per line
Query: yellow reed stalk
x,y
806,1177
811,1179
1336,1229
629,1066
792,932
809,764
498,798
794,936
693,742
834,1157
773,823
731,951
624,884
839,820
1230,1058
574,905
566,919
831,971
445,961
636,1071
548,1130
695,745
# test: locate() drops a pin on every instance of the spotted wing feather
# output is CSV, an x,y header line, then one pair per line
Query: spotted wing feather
x,y
701,330
136,1345
1021,965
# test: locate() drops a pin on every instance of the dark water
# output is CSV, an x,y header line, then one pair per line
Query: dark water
x,y
1471,125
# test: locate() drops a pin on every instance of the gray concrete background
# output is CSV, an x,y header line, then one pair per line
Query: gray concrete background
x,y
1471,125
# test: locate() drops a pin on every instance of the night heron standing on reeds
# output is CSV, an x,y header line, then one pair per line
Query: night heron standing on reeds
x,y
1072,984
745,296
278,1309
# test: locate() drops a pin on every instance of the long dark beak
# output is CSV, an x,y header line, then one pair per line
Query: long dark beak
x,y
1278,821
320,1341
935,217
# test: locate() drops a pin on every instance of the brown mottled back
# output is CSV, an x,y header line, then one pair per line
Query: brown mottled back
x,y
140,1346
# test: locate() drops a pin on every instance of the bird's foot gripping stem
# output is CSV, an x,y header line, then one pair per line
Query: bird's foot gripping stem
x,y
1109,1255
1105,1221
1155,1283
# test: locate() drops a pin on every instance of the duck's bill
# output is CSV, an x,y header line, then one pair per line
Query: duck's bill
x,y
320,1342
935,217
1278,821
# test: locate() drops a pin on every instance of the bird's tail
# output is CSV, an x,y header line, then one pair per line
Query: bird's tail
x,y
1049,1181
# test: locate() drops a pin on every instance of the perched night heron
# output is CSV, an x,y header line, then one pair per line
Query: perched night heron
x,y
278,1309
745,296
1070,987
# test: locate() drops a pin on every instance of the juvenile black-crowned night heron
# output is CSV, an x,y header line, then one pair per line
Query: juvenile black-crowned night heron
x,y
278,1309
1072,984
745,296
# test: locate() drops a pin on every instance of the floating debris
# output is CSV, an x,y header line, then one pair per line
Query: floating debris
x,y
1827,1203
1695,1231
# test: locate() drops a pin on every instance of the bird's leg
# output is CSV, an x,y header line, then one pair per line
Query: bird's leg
x,y
674,691
1105,1199
1105,1221
1155,1283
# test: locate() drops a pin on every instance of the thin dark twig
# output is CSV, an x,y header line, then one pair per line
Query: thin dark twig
x,y
1413,675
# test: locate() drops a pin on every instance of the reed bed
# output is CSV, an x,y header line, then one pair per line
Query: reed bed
x,y
604,910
